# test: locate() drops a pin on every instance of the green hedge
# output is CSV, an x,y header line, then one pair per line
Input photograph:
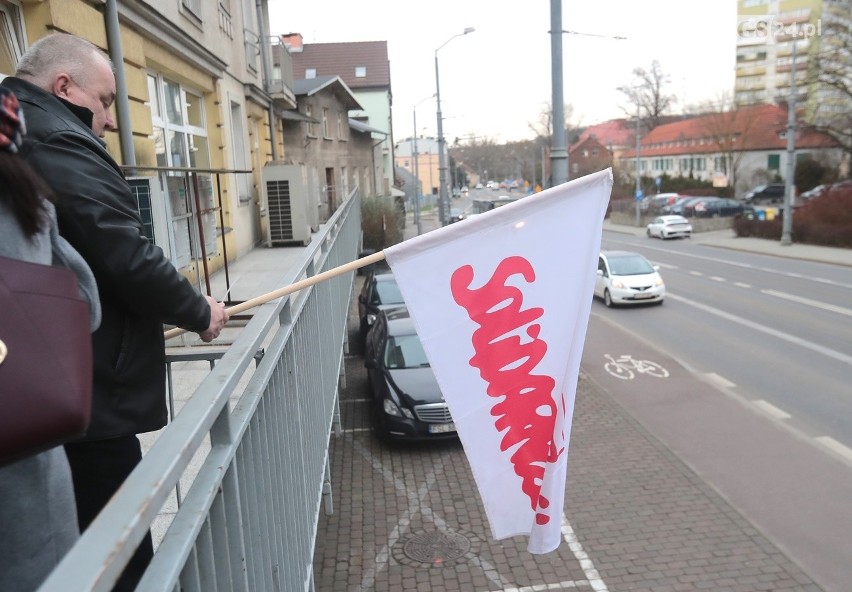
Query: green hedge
x,y
825,221
381,223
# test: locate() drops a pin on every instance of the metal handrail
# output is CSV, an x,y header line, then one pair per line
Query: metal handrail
x,y
248,521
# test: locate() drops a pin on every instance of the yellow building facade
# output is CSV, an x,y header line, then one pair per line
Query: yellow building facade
x,y
194,109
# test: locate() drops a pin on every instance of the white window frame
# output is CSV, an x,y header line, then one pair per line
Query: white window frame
x,y
252,35
240,157
310,73
360,71
225,20
181,227
12,31
161,122
192,6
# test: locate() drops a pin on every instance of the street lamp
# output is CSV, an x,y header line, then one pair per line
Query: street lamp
x,y
442,165
416,156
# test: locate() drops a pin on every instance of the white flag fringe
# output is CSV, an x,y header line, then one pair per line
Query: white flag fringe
x,y
501,302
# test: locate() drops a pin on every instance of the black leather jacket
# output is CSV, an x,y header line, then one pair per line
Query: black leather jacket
x,y
139,287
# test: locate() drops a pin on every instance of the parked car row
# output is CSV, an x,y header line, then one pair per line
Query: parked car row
x,y
705,207
655,203
407,403
675,203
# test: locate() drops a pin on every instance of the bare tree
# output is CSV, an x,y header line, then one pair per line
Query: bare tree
x,y
831,75
648,93
543,127
728,128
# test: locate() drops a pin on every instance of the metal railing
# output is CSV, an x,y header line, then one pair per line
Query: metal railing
x,y
248,520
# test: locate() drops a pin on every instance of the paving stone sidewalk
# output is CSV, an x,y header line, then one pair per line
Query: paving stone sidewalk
x,y
408,517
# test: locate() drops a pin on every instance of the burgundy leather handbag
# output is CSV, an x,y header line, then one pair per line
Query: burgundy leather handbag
x,y
45,359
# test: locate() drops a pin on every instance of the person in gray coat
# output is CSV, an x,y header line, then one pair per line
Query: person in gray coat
x,y
38,517
66,87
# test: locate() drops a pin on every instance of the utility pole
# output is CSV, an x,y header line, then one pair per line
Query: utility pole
x,y
558,148
638,195
417,171
559,145
416,179
790,188
443,203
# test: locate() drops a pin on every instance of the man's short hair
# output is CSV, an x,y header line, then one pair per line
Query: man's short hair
x,y
57,53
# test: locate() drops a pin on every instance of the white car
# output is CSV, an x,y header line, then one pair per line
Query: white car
x,y
669,227
625,277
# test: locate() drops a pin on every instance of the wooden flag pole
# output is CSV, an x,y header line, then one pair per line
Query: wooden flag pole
x,y
294,287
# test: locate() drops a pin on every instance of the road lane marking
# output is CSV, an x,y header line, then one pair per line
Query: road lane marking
x,y
742,285
835,446
416,504
586,564
717,380
696,273
556,586
839,356
716,278
818,280
809,302
771,409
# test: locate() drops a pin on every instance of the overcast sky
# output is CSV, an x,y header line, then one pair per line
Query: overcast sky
x,y
496,81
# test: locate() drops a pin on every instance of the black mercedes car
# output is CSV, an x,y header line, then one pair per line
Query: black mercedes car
x,y
407,402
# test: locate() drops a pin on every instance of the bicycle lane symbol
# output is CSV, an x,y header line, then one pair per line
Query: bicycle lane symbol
x,y
626,367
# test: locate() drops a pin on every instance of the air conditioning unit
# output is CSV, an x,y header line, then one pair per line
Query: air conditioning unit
x,y
288,217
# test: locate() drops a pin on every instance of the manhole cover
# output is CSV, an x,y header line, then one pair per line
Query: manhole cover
x,y
436,547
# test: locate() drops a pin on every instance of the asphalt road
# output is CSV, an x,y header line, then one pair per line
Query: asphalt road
x,y
776,330
758,352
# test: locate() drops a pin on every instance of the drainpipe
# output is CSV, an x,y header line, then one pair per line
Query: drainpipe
x,y
122,102
267,74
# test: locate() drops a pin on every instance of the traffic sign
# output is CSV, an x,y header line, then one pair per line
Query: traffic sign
x,y
639,195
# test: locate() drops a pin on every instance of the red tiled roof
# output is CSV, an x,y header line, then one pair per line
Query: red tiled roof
x,y
587,142
759,127
615,132
341,59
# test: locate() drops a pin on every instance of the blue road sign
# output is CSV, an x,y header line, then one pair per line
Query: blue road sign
x,y
639,194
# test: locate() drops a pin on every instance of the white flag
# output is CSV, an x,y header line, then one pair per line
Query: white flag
x,y
501,302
